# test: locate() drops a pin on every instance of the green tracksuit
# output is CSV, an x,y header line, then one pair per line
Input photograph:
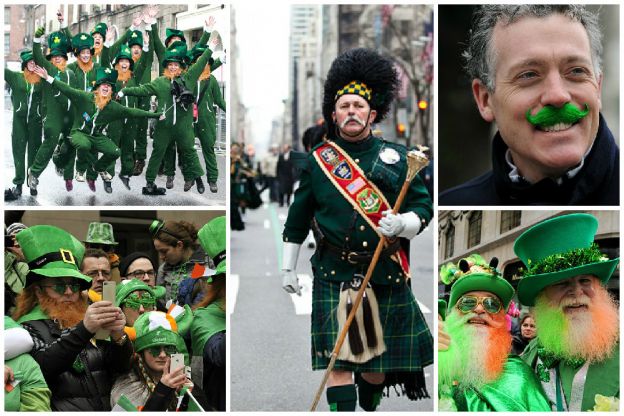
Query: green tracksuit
x,y
26,129
140,139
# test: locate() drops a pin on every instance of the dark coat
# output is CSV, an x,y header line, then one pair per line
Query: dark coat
x,y
285,174
597,183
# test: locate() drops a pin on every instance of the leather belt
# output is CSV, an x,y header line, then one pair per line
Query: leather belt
x,y
358,257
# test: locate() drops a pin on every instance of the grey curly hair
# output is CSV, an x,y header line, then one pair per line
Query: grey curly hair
x,y
479,56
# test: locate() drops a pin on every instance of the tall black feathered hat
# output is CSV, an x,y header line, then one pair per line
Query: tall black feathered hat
x,y
363,72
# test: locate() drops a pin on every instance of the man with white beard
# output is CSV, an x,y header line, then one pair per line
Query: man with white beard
x,y
576,352
475,369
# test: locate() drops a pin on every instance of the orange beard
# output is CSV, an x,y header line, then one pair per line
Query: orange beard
x,y
98,50
67,317
123,76
61,67
85,67
136,58
31,77
171,75
205,73
100,101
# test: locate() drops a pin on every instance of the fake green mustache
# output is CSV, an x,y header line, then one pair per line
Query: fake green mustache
x,y
549,115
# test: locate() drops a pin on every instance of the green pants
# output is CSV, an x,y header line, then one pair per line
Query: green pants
x,y
183,137
170,160
206,130
24,135
140,139
66,158
55,126
122,133
85,143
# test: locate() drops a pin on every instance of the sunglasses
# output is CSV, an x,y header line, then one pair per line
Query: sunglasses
x,y
168,349
138,274
158,226
60,288
469,303
134,302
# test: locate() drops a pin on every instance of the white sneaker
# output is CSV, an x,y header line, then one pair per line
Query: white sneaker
x,y
106,176
80,176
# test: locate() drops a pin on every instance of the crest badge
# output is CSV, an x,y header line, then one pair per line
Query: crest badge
x,y
329,155
342,171
369,201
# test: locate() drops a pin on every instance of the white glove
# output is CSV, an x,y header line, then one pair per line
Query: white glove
x,y
290,282
120,94
50,79
16,341
402,225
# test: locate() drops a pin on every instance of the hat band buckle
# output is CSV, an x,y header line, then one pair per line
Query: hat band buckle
x,y
67,256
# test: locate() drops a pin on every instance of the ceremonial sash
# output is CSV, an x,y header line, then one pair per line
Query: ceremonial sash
x,y
354,186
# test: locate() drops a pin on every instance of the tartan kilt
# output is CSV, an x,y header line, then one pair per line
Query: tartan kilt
x,y
409,344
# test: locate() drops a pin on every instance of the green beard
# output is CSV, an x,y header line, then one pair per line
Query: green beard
x,y
552,328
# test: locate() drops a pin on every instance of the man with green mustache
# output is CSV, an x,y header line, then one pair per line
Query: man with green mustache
x,y
536,72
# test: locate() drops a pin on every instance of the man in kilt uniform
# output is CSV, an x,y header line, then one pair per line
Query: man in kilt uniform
x,y
348,186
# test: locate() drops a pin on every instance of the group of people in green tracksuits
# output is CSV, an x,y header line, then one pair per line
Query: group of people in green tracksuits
x,y
86,114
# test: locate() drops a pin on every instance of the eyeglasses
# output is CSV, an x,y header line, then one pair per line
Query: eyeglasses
x,y
469,303
134,301
60,288
106,274
158,226
138,274
169,349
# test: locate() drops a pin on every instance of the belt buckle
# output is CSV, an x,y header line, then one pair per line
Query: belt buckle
x,y
349,257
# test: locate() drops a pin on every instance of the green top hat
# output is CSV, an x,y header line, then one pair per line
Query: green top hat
x,y
197,51
135,38
212,239
82,41
101,232
126,287
51,252
472,274
59,45
169,33
176,53
155,329
100,28
26,55
124,53
558,249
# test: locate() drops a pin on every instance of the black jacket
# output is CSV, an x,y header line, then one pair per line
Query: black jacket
x,y
597,183
74,388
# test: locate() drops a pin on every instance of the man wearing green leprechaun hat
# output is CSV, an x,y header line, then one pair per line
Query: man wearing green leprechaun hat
x,y
77,368
576,352
476,371
135,298
96,110
100,236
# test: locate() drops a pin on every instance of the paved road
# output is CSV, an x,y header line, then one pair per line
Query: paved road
x,y
270,342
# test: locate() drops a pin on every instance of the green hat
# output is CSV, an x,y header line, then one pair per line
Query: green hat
x,y
51,252
169,32
176,53
82,41
101,232
197,51
124,53
26,55
100,28
135,38
212,239
126,287
473,273
105,76
154,329
558,249
59,45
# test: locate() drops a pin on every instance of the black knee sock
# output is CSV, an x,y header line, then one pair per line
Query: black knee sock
x,y
369,394
342,398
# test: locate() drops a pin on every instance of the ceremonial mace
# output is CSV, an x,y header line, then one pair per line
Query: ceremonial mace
x,y
416,161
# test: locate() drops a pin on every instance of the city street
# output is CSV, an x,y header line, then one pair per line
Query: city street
x,y
51,188
270,330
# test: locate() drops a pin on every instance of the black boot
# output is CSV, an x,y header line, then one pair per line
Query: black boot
x,y
152,189
188,185
108,187
169,183
213,187
17,190
138,167
342,398
369,394
125,180
32,181
200,185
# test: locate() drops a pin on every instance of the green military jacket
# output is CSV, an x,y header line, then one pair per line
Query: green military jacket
x,y
55,104
175,115
340,224
602,378
25,97
88,119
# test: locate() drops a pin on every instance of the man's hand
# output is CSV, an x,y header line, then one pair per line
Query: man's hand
x,y
444,340
100,315
40,32
391,224
149,14
138,18
110,35
8,375
173,380
209,24
290,282
41,71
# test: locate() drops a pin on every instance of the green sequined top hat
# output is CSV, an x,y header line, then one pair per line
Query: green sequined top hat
x,y
101,232
169,33
82,41
175,53
155,329
212,239
59,45
195,52
126,287
26,55
474,274
52,252
100,28
124,53
135,38
558,249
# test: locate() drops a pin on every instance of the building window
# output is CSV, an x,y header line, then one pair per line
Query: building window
x,y
7,42
474,228
449,244
7,15
509,220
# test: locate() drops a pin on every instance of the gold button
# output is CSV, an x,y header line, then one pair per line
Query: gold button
x,y
325,274
321,267
346,238
357,160
333,272
362,228
365,244
389,277
398,280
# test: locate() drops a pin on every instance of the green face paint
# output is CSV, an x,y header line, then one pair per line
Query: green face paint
x,y
549,115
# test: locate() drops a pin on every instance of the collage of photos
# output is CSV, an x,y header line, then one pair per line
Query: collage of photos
x,y
422,211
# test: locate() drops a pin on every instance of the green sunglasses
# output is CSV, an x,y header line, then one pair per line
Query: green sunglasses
x,y
134,302
61,287
169,350
158,226
469,303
